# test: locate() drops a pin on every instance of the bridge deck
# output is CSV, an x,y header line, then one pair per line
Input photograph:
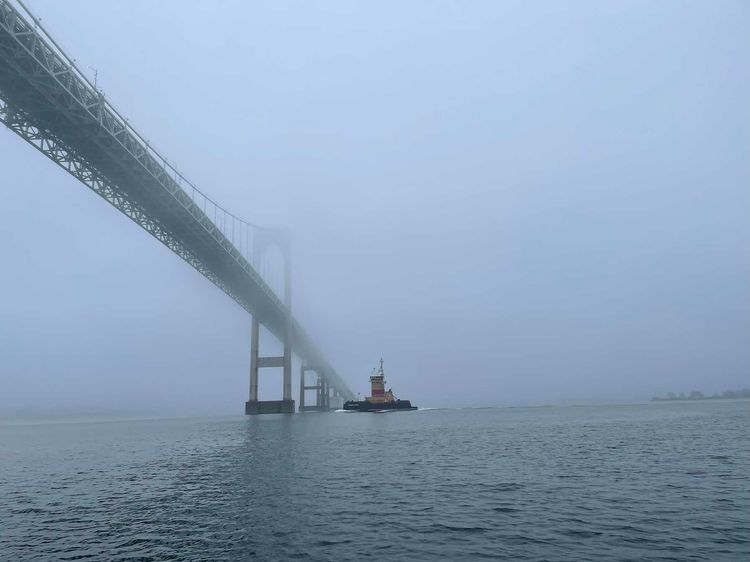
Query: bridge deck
x,y
49,103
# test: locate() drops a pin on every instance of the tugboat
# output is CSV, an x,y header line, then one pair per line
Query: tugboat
x,y
381,400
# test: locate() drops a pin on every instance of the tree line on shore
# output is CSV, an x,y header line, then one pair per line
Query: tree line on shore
x,y
697,395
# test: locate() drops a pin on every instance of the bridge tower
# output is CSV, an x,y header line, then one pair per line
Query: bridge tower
x,y
321,388
262,240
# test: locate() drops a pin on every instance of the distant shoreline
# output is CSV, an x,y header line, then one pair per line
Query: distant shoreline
x,y
696,395
660,399
10,419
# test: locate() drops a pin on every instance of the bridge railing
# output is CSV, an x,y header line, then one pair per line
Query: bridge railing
x,y
234,233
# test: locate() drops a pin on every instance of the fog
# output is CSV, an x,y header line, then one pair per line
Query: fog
x,y
511,203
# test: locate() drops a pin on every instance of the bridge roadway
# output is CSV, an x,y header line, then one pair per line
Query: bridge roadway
x,y
47,101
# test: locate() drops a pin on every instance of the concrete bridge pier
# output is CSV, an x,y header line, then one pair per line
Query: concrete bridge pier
x,y
255,406
262,239
320,387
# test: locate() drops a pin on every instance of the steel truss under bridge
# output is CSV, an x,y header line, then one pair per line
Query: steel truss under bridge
x,y
48,102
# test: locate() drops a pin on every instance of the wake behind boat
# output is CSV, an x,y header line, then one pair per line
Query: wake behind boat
x,y
380,399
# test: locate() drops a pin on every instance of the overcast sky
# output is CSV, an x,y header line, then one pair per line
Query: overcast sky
x,y
511,202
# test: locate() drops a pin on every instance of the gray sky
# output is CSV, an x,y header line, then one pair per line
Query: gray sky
x,y
512,202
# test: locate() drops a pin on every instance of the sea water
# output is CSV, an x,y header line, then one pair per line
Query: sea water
x,y
663,481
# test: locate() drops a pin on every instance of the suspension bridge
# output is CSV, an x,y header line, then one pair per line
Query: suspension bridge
x,y
47,101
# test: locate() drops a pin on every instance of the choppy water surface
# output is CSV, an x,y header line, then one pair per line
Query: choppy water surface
x,y
657,481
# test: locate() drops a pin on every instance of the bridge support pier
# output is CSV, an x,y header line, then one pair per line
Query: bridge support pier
x,y
320,388
255,406
335,400
261,240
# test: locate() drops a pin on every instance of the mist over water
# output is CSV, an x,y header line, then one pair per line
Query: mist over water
x,y
512,203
